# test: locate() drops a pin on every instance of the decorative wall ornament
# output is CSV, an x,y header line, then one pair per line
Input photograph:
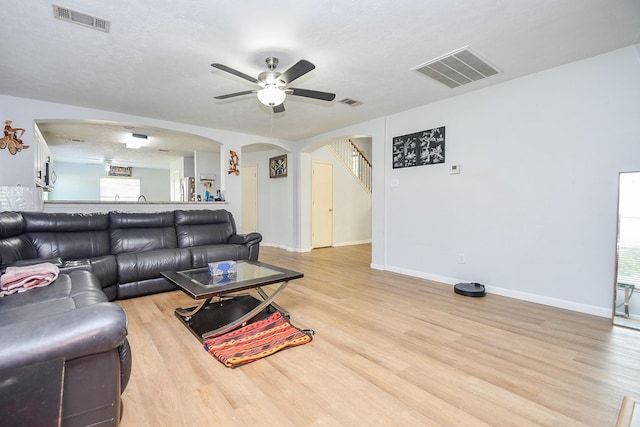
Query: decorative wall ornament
x,y
278,166
12,138
234,163
420,148
120,170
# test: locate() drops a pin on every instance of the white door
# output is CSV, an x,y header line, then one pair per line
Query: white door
x,y
321,205
249,182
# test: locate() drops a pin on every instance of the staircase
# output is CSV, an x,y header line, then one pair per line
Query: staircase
x,y
354,160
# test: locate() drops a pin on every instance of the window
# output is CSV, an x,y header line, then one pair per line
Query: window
x,y
119,189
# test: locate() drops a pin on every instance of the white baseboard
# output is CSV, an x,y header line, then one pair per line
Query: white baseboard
x,y
289,249
286,248
277,246
510,293
360,242
524,296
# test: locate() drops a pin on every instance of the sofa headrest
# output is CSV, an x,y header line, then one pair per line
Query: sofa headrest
x,y
11,224
219,216
63,222
141,220
204,227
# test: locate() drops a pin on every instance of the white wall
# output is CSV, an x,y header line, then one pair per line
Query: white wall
x,y
275,221
534,209
19,168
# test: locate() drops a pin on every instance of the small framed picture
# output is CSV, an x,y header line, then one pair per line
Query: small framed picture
x,y
278,166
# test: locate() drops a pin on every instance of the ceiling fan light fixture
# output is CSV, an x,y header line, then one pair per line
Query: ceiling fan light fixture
x,y
271,96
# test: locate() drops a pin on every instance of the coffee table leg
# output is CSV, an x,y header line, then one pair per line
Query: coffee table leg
x,y
267,300
186,313
264,295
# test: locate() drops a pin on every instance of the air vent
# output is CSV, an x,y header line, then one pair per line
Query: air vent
x,y
350,102
457,68
83,19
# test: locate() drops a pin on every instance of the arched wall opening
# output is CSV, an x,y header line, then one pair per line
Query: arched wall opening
x,y
352,202
82,152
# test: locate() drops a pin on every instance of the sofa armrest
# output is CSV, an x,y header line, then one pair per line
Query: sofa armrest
x,y
70,334
248,239
57,261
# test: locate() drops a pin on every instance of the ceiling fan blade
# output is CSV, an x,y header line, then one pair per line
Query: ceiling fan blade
x,y
325,96
298,69
235,72
231,95
278,108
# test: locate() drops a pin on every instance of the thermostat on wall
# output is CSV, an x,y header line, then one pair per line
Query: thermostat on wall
x,y
454,169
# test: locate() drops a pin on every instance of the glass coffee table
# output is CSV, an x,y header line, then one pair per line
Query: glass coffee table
x,y
230,309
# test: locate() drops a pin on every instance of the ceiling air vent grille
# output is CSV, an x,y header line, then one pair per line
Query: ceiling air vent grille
x,y
457,68
83,19
350,102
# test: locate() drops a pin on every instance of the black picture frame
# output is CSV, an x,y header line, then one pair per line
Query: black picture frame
x,y
419,149
278,166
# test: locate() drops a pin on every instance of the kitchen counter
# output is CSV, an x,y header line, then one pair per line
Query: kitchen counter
x,y
88,206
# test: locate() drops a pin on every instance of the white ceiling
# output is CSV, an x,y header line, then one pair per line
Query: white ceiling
x,y
155,61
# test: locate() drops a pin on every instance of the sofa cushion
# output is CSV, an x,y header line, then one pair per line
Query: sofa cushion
x,y
144,287
139,232
68,236
203,227
137,266
51,329
66,293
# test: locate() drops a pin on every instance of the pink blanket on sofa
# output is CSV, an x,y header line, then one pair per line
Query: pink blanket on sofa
x,y
19,279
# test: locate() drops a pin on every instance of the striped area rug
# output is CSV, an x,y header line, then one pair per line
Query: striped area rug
x,y
256,340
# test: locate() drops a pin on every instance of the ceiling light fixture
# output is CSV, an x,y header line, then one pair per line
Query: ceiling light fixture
x,y
136,140
271,96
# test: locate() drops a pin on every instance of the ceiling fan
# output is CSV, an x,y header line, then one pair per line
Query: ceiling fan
x,y
275,85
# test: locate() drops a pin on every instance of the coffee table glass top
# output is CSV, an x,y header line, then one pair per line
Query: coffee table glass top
x,y
250,274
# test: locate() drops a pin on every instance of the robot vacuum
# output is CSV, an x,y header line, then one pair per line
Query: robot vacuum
x,y
470,289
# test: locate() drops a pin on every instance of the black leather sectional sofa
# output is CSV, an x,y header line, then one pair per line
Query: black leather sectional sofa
x,y
102,257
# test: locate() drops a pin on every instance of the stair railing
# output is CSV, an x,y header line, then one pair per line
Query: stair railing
x,y
354,160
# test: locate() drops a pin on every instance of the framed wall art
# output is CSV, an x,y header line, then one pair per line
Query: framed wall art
x,y
418,149
278,166
120,170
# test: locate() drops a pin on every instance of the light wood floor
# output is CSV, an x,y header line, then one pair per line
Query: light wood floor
x,y
389,350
